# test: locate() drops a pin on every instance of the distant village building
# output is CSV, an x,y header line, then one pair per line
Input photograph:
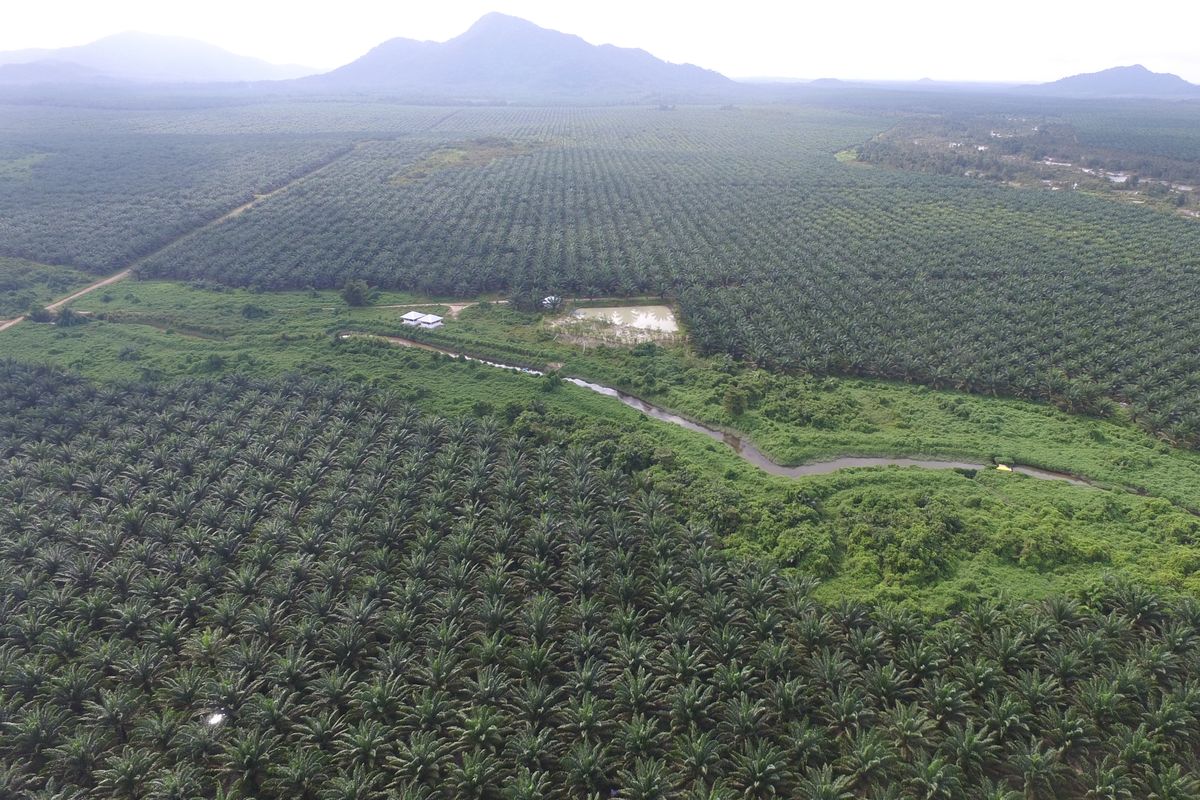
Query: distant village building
x,y
419,319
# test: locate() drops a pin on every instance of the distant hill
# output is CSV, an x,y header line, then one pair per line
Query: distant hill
x,y
503,56
142,57
1133,81
47,71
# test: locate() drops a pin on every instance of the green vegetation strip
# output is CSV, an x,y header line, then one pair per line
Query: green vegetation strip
x,y
934,539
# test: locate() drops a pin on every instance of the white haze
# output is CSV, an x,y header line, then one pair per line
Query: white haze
x,y
1021,40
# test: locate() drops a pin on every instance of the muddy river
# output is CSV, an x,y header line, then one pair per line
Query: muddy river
x,y
739,444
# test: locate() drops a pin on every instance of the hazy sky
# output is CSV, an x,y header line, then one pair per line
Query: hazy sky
x,y
1023,40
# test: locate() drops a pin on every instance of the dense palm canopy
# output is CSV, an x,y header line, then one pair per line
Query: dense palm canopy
x,y
777,253
305,590
96,199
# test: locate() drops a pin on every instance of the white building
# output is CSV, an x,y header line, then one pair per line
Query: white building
x,y
411,318
430,321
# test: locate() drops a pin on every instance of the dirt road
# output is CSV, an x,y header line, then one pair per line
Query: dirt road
x,y
212,223
91,287
455,308
120,276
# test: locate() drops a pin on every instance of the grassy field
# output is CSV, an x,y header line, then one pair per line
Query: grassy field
x,y
932,538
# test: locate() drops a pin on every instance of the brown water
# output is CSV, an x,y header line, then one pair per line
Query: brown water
x,y
750,453
651,318
742,446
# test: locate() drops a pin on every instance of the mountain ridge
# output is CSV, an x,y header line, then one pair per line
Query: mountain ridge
x,y
146,58
1133,80
505,55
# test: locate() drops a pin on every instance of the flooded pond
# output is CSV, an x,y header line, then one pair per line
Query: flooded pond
x,y
738,444
646,318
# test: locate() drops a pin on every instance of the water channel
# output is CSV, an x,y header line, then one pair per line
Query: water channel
x,y
739,444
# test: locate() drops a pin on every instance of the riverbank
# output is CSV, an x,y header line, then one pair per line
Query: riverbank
x,y
740,444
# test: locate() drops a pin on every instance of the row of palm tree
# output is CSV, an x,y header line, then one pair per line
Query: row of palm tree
x,y
99,194
306,590
1085,354
776,252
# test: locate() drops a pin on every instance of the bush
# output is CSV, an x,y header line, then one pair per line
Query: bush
x,y
356,293
809,547
69,317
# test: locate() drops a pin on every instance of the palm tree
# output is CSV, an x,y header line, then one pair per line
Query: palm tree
x,y
179,782
529,785
363,743
1170,784
759,770
647,779
869,759
125,773
477,776
990,790
973,751
935,777
35,731
823,784
587,767
1109,780
247,759
301,776
1039,768
76,759
363,784
911,729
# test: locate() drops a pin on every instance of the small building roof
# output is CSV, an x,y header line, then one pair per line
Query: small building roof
x,y
429,319
413,315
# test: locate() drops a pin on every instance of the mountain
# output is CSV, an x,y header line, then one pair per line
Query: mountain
x,y
503,56
1133,81
145,57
